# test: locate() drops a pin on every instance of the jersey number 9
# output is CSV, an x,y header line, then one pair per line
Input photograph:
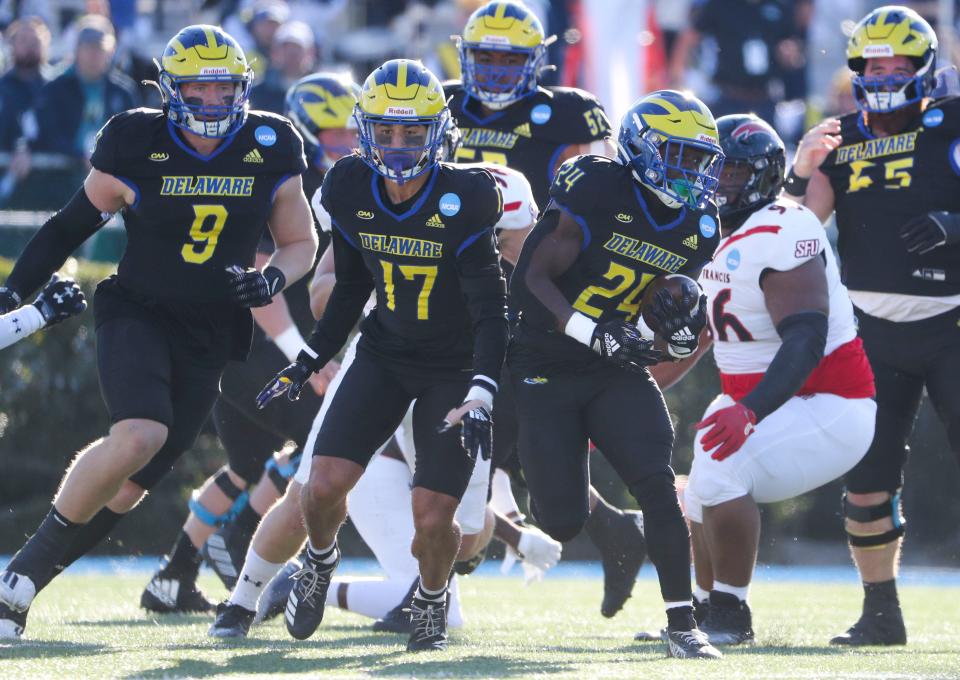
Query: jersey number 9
x,y
208,222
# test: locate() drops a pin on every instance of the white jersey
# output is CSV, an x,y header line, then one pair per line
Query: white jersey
x,y
781,237
18,324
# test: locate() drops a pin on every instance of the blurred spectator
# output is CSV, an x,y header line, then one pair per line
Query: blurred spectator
x,y
29,41
255,28
292,56
755,42
10,10
74,106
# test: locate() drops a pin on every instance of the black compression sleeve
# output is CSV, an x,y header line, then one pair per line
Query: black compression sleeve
x,y
804,338
484,287
349,294
50,247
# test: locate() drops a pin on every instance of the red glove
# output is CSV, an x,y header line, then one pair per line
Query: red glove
x,y
731,427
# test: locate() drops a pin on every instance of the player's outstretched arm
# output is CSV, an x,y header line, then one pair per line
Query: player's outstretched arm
x,y
59,300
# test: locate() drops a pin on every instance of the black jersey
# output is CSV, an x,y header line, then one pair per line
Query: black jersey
x,y
528,135
629,238
881,183
432,261
194,215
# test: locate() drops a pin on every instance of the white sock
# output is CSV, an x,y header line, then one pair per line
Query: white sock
x,y
673,605
501,495
427,594
700,595
740,592
254,577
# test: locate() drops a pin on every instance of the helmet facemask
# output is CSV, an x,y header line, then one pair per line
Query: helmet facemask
x,y
499,86
419,153
747,184
884,94
191,114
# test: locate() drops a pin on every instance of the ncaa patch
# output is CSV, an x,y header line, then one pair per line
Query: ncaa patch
x,y
733,259
265,135
933,117
540,114
449,204
708,226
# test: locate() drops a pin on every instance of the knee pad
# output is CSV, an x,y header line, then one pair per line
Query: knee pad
x,y
279,475
232,491
872,513
467,567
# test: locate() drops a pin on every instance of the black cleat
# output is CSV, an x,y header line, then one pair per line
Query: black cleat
x,y
233,621
429,621
880,627
623,549
307,598
728,621
274,598
690,644
397,620
173,596
225,552
700,609
12,623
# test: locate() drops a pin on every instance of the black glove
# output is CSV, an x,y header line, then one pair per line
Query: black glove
x,y
476,433
923,234
9,300
60,299
680,326
290,380
621,341
254,288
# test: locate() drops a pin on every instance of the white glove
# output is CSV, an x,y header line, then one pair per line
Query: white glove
x,y
537,553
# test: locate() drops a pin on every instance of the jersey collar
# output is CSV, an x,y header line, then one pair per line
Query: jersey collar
x,y
193,152
650,218
424,192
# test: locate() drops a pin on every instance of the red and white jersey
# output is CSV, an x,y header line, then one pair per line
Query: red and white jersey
x,y
781,237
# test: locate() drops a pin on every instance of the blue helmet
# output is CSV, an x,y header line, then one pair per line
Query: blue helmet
x,y
318,102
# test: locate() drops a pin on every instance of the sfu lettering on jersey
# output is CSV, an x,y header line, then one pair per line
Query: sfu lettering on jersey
x,y
806,248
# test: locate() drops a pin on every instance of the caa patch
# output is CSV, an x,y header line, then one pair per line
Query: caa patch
x,y
540,114
733,259
449,204
708,226
265,135
933,117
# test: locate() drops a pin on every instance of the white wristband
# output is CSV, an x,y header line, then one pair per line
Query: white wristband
x,y
290,342
481,394
580,327
646,332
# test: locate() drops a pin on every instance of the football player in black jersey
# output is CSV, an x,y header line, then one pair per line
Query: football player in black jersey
x,y
890,172
506,117
420,233
196,183
320,107
577,357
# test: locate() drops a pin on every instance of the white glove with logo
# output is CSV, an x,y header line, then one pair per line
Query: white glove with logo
x,y
537,553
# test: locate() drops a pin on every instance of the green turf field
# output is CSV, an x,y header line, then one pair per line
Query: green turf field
x,y
90,627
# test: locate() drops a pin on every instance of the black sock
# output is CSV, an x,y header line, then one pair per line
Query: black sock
x,y
719,598
599,522
668,539
89,535
247,520
881,595
183,563
42,552
681,618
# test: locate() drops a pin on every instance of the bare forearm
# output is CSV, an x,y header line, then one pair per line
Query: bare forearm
x,y
294,259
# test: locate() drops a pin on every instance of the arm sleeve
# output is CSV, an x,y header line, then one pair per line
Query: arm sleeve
x,y
54,242
350,292
18,324
484,287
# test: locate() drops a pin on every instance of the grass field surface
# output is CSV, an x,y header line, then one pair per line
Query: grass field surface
x,y
89,626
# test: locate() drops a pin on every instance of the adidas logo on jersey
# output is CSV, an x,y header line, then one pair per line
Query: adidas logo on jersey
x,y
435,221
523,130
690,241
253,157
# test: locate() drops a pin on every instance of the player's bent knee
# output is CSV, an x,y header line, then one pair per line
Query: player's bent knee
x,y
136,441
237,496
874,520
329,482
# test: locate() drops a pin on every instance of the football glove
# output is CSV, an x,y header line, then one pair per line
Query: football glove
x,y
60,299
537,553
476,430
290,380
9,300
731,427
254,288
621,342
922,234
680,326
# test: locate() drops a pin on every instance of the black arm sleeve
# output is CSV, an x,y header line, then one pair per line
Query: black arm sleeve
x,y
54,242
349,295
484,287
804,337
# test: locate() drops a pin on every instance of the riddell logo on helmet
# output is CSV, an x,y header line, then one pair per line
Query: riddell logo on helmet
x,y
214,71
706,138
872,51
495,39
401,111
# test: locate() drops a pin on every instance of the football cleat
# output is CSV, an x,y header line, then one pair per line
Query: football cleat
x,y
429,621
304,610
173,596
623,550
882,627
397,620
12,623
728,621
274,598
700,609
690,644
225,552
233,621
16,591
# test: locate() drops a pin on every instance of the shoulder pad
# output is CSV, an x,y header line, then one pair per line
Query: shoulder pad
x,y
277,132
575,116
126,135
783,235
581,180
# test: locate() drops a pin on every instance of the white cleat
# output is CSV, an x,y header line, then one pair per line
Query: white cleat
x,y
16,591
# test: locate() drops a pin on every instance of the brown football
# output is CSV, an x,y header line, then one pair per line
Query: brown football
x,y
676,285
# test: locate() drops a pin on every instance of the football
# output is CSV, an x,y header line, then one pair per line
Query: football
x,y
679,287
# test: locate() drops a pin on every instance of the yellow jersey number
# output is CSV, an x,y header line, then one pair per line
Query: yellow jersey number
x,y
622,280
468,155
410,272
208,222
895,172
